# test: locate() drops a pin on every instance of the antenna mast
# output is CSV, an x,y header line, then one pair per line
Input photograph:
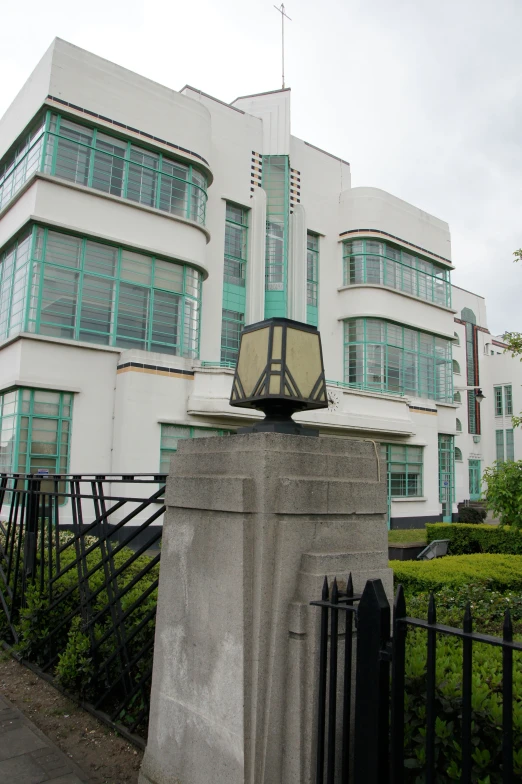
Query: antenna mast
x,y
281,10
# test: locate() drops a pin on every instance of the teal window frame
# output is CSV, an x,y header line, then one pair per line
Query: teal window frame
x,y
459,426
312,278
79,288
446,445
169,439
510,445
472,412
508,399
276,183
20,163
458,454
457,398
499,410
456,366
235,272
232,324
97,158
499,445
28,416
383,356
371,261
404,470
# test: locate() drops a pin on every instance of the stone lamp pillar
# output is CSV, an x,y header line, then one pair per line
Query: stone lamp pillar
x,y
253,524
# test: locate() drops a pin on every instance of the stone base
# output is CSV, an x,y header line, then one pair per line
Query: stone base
x,y
253,524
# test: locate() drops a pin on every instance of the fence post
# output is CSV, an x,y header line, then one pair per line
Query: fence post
x,y
372,696
31,526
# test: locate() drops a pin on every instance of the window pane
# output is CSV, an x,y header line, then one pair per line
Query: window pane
x,y
166,323
108,165
132,316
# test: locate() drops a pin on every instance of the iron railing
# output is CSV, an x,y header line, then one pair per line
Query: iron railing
x,y
363,741
79,571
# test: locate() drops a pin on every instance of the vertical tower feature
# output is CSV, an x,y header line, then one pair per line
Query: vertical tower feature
x,y
276,170
234,281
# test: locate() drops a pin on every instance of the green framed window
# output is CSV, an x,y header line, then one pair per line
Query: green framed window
x,y
68,286
276,183
19,164
35,431
234,281
385,264
312,278
472,412
459,426
171,434
510,445
98,159
236,236
458,454
404,465
499,444
386,357
456,366
446,474
498,401
457,398
232,324
508,400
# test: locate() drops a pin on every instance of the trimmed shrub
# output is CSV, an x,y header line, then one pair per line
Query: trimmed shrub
x,y
504,493
469,539
470,515
498,572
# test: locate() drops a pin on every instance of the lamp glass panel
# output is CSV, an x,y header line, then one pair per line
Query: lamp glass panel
x,y
303,359
277,342
253,356
274,387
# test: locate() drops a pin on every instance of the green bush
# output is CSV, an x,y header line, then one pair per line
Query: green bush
x,y
504,493
488,609
470,515
498,572
469,539
486,711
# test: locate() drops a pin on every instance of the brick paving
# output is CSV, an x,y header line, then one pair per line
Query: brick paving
x,y
27,756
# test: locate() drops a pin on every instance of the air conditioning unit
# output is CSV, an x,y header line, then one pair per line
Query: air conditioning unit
x,y
476,439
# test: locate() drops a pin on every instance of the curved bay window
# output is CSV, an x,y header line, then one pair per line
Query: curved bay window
x,y
97,159
382,356
381,263
72,287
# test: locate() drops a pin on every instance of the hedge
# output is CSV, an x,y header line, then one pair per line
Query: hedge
x,y
469,539
498,572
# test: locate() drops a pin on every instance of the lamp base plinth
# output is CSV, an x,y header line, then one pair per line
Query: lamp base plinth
x,y
287,426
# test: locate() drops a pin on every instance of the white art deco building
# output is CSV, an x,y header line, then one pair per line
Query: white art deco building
x,y
141,228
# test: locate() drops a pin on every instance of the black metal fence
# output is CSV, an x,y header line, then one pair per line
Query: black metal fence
x,y
362,740
79,571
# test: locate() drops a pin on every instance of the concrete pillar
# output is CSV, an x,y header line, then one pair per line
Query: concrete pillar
x,y
253,524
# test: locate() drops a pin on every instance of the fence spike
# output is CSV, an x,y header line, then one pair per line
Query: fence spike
x,y
467,625
335,591
432,610
349,586
324,595
507,629
399,605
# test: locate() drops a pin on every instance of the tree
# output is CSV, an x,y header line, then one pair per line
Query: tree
x,y
514,342
504,495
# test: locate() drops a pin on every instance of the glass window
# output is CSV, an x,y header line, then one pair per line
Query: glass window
x,y
171,434
99,293
404,470
508,401
458,454
459,426
235,245
231,327
499,443
456,366
457,398
96,159
472,412
35,429
498,401
18,165
387,357
457,339
312,277
510,445
381,263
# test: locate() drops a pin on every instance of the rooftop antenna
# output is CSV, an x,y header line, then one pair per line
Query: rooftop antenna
x,y
281,10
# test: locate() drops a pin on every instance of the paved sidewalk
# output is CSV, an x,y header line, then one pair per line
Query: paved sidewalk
x,y
27,756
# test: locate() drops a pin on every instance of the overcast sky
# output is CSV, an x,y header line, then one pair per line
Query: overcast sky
x,y
423,97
